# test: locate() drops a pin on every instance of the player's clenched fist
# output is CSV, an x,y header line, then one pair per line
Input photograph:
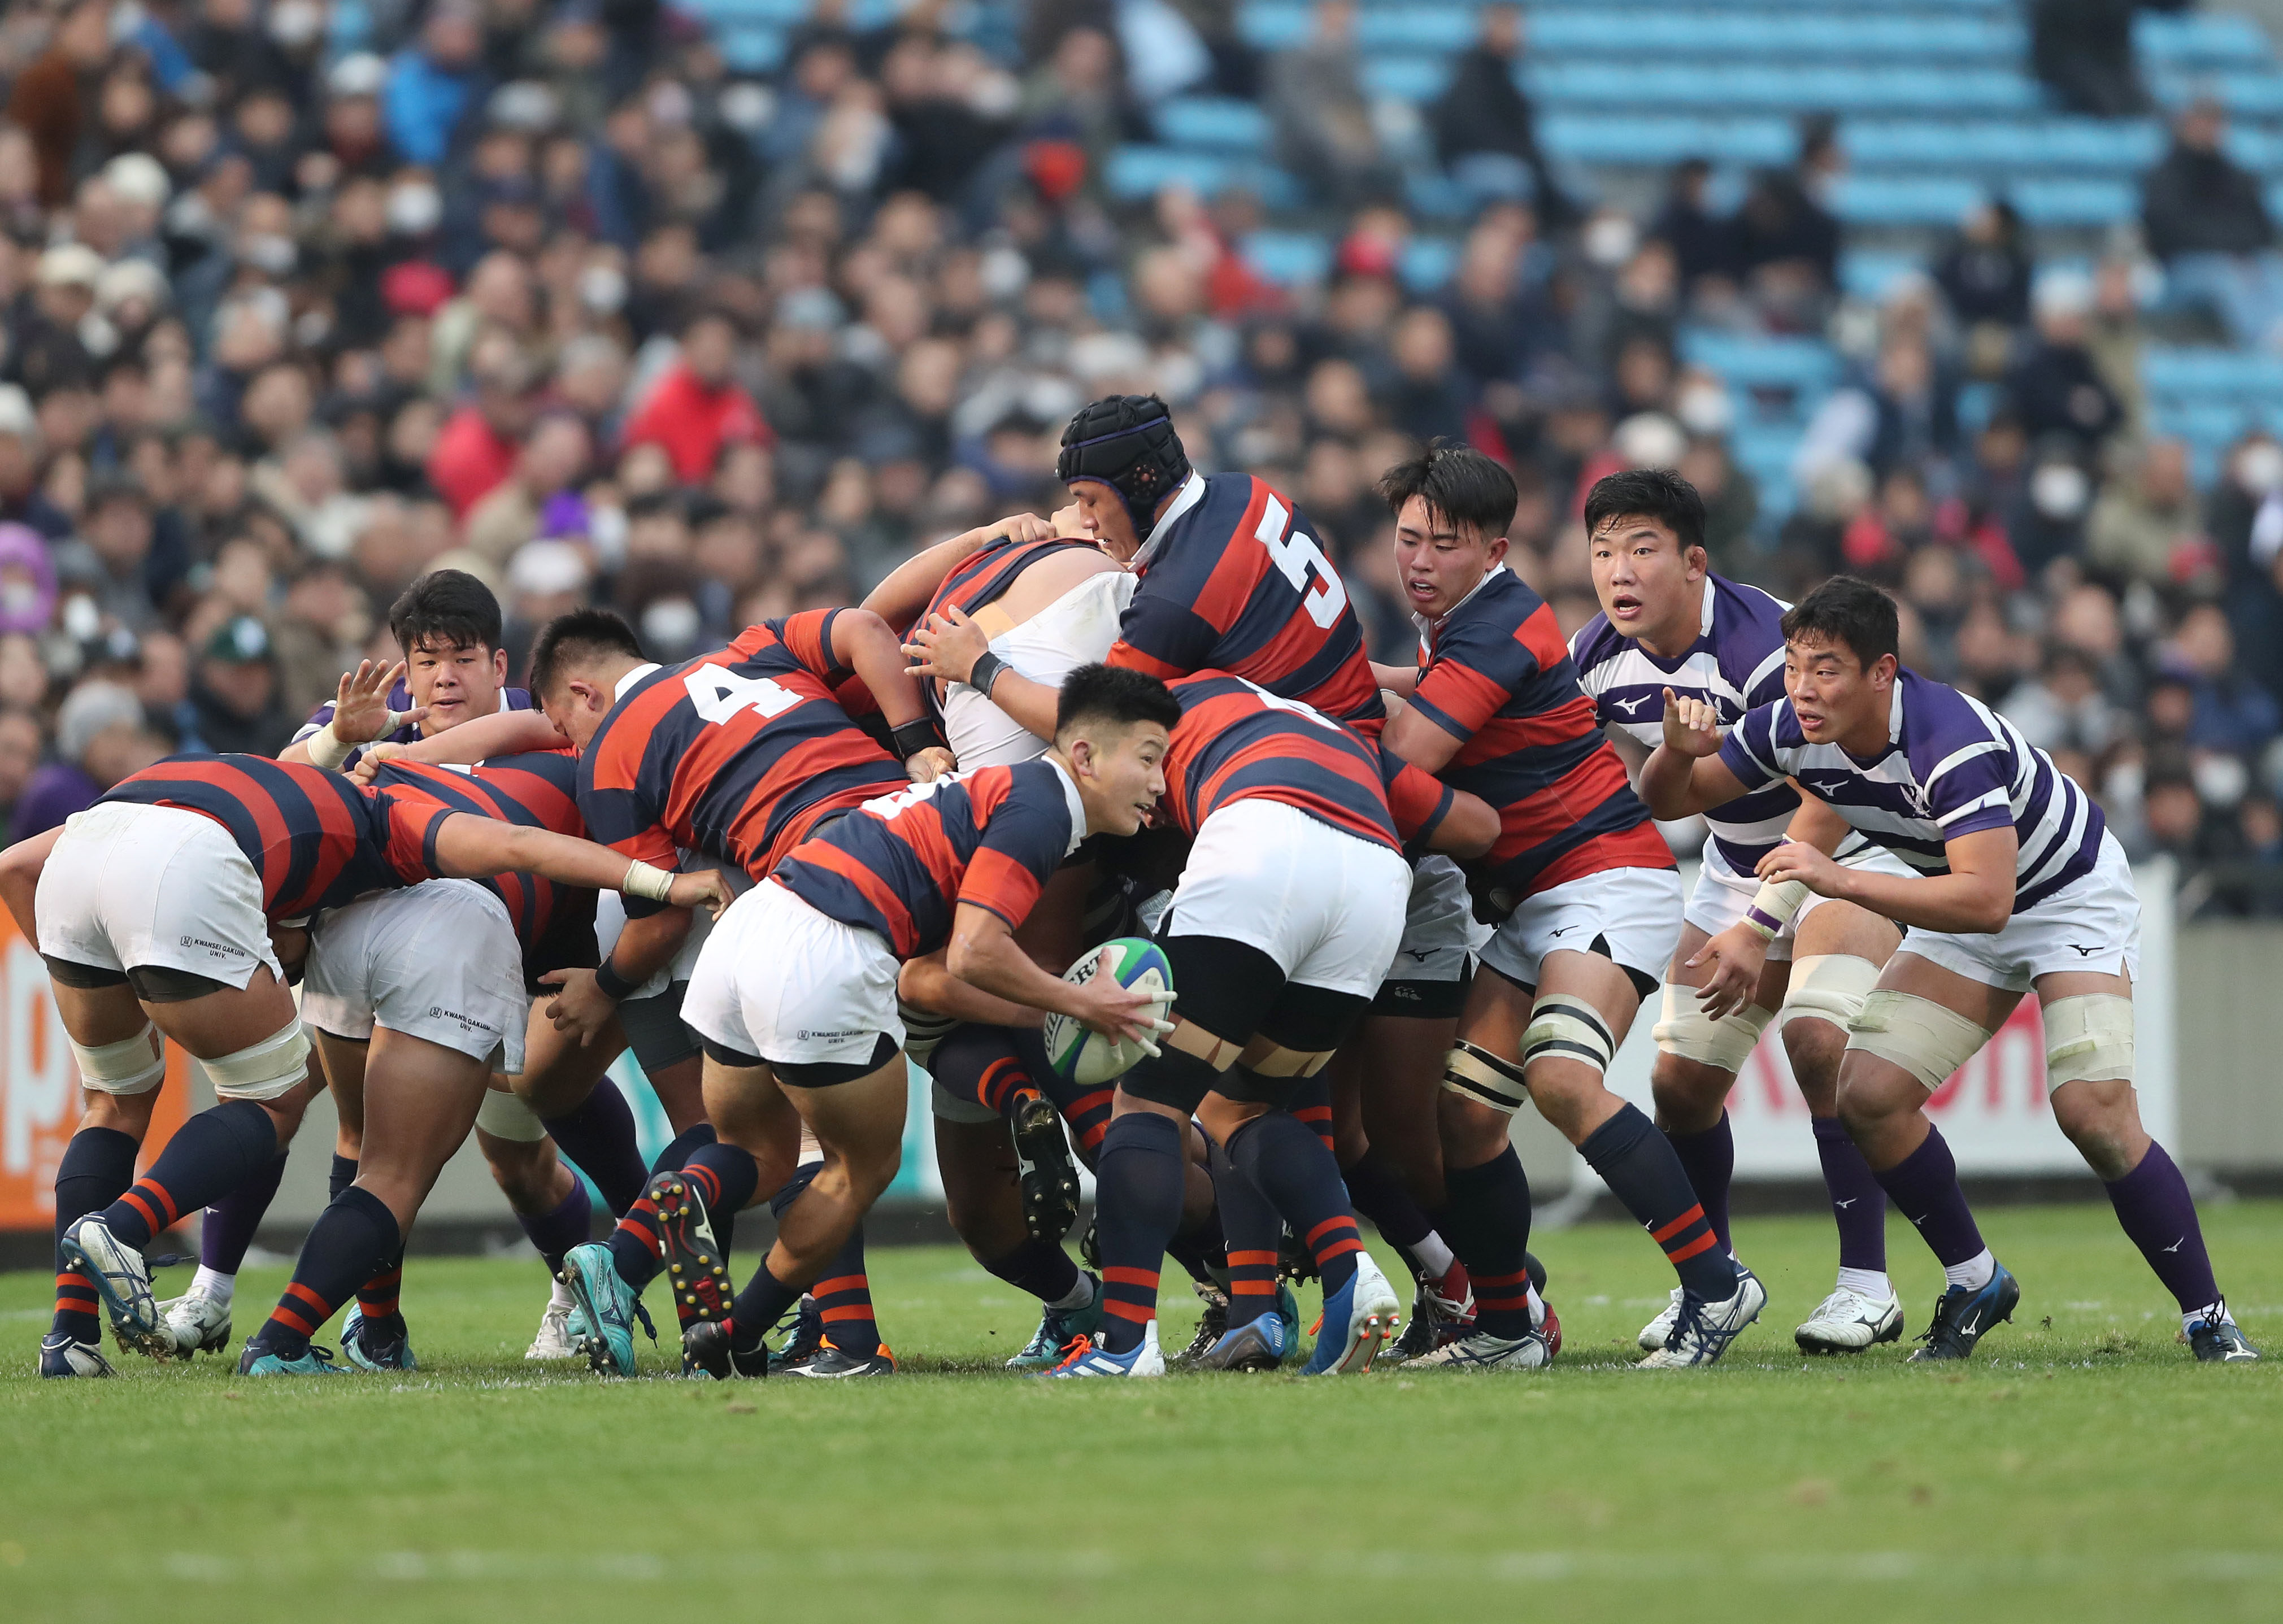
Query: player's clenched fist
x,y
1692,727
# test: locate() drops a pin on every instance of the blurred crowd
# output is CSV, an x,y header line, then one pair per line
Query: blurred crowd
x,y
303,298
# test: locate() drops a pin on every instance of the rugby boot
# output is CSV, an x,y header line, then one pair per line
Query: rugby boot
x,y
1049,1178
1963,1317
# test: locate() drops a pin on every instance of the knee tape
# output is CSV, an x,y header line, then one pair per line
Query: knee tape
x,y
263,1070
1688,1033
504,1116
1566,1028
1924,1038
2088,1039
132,1066
1827,987
1474,1072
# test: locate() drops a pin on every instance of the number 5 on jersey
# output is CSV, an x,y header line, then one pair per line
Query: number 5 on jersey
x,y
1296,553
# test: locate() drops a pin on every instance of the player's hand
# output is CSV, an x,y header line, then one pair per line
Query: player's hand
x,y
1125,1014
578,1007
1692,727
1795,859
706,889
931,764
1030,527
368,764
1067,523
1735,957
946,646
360,704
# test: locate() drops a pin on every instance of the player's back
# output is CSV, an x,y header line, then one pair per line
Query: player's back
x,y
314,838
1235,581
1237,742
739,754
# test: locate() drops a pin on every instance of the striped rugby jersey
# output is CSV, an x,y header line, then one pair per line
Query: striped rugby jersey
x,y
899,865
315,839
1951,766
739,754
1232,579
1495,674
1737,662
1237,742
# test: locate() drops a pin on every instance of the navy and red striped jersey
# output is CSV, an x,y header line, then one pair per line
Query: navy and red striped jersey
x,y
1496,675
1233,580
984,577
1418,801
900,866
738,754
1237,742
538,790
317,839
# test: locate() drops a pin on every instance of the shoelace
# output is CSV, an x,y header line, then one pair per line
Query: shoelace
x,y
1687,1324
1075,1349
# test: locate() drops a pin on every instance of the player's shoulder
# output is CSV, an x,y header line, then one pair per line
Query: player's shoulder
x,y
1595,645
1936,721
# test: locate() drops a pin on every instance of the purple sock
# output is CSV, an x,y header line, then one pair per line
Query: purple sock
x,y
1858,1206
2153,1204
1710,1160
599,1136
557,1232
228,1225
1923,1186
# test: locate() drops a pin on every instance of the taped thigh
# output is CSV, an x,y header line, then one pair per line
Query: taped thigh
x,y
1474,1073
2088,1039
263,1070
1565,1027
504,1116
1689,1033
132,1066
1829,987
1925,1038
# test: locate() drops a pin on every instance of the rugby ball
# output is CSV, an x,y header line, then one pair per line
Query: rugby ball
x,y
1086,1058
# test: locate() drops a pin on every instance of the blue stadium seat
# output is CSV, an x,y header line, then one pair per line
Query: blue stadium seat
x,y
2247,93
1900,200
1626,138
1289,257
1806,365
1214,124
1866,275
2210,374
2200,39
1426,264
1833,32
751,49
2076,203
1279,24
1794,89
1137,172
1405,78
784,12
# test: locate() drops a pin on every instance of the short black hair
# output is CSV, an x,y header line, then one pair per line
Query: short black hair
x,y
1849,610
1650,494
1458,482
581,635
1115,695
450,607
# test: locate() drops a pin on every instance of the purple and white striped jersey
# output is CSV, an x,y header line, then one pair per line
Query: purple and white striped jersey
x,y
1951,766
1735,663
399,699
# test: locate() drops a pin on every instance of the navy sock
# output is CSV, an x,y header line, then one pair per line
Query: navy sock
x,y
377,1297
567,1224
1041,1270
1295,1168
1311,1103
598,1135
353,1239
1639,1165
1377,1191
638,1247
1923,1186
803,1175
1202,1248
228,1226
1137,1209
758,1306
1488,1225
683,1145
1255,1233
211,1155
97,1166
340,1176
2153,1204
842,1294
1858,1206
728,1177
1710,1160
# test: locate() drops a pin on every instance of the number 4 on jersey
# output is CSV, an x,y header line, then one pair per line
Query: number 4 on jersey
x,y
1294,554
720,694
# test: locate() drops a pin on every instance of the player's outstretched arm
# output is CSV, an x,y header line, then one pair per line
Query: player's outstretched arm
x,y
1684,775
647,945
503,732
470,848
360,714
1468,830
984,953
928,984
1976,896
862,642
902,598
19,877
1401,680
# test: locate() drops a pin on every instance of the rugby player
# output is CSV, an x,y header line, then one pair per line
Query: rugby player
x,y
1667,622
2020,889
795,994
154,910
1589,908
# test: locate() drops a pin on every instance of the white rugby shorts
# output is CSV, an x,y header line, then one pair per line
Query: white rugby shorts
x,y
2092,923
1439,928
1721,895
1327,906
1635,912
128,886
438,960
780,980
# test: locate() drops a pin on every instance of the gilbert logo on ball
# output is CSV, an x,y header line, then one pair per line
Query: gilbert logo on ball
x,y
1087,1058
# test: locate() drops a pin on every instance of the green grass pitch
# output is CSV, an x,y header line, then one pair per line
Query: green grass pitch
x,y
2083,1467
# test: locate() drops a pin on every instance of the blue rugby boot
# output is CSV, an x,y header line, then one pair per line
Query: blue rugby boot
x,y
1963,1317
1360,1319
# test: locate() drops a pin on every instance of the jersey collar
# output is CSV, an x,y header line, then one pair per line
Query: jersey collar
x,y
1192,493
628,681
1070,797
